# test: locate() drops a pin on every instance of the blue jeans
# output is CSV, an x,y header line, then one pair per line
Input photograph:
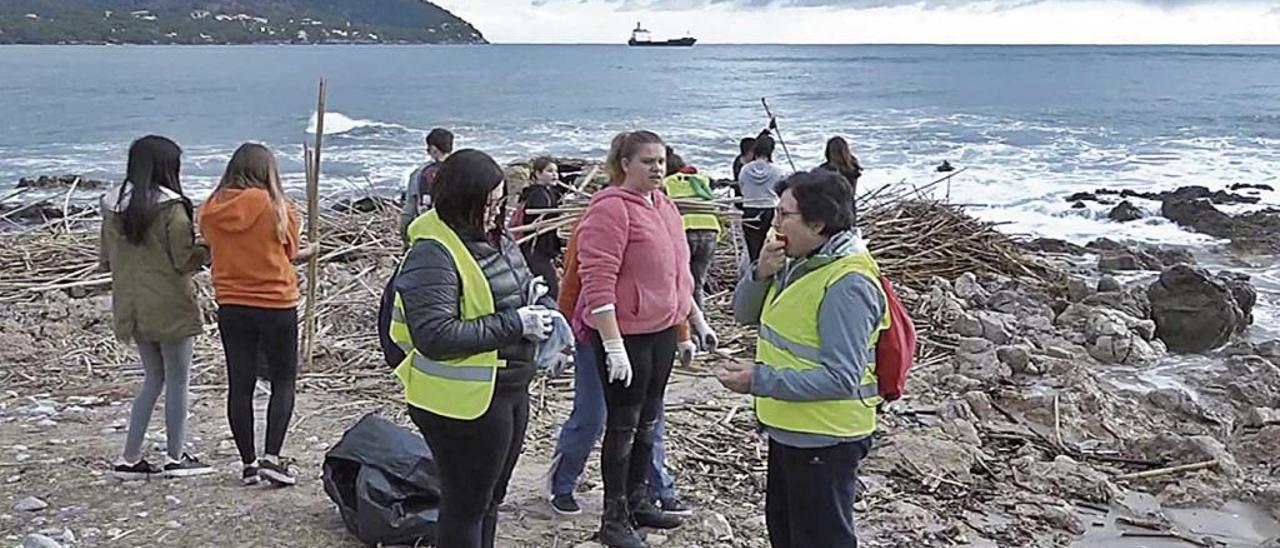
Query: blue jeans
x,y
585,426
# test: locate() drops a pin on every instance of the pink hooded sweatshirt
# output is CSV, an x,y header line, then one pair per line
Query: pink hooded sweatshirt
x,y
634,255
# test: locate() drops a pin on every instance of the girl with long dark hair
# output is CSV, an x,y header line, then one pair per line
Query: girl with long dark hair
x,y
149,246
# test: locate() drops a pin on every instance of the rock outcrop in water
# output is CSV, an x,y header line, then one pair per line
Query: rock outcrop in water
x,y
1195,311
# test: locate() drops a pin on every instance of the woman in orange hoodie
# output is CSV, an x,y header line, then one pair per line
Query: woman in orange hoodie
x,y
252,231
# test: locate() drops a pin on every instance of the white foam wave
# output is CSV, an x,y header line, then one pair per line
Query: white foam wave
x,y
337,123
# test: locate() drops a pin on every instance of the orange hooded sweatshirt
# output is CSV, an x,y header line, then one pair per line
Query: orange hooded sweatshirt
x,y
251,266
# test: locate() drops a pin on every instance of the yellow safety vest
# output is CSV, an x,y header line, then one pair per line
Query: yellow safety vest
x,y
789,339
679,185
460,388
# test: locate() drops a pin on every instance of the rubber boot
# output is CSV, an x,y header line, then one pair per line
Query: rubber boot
x,y
615,526
645,514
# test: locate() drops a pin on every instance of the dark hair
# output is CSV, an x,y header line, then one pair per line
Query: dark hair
x,y
540,164
674,162
461,190
442,139
822,197
154,162
842,159
622,147
746,145
763,148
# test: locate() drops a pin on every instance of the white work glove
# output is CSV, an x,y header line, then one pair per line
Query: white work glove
x,y
687,350
700,330
536,290
618,363
536,322
561,363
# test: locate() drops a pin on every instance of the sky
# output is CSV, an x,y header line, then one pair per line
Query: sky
x,y
879,21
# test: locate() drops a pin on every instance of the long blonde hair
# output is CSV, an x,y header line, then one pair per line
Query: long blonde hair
x,y
254,166
622,147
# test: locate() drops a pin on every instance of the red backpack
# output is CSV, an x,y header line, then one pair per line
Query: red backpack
x,y
896,350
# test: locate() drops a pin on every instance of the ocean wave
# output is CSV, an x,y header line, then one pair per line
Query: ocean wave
x,y
337,123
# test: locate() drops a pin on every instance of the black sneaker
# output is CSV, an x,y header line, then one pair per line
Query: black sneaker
x,y
674,506
565,505
185,467
249,476
276,472
132,472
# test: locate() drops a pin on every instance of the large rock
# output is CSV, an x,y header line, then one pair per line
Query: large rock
x,y
1111,336
1125,212
1195,311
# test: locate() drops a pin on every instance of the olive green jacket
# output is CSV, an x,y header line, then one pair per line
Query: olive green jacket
x,y
153,295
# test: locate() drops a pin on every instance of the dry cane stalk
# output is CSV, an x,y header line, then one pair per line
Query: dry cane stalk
x,y
313,229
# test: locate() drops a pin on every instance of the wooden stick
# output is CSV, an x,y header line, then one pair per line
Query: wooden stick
x,y
313,228
1169,471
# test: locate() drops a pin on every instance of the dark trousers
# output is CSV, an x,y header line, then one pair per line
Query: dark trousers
x,y
545,266
756,231
248,332
475,459
702,252
631,413
810,494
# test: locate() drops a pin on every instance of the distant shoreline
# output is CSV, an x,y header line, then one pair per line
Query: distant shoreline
x,y
624,45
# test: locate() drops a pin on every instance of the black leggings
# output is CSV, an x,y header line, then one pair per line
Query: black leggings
x,y
632,412
475,459
246,332
755,234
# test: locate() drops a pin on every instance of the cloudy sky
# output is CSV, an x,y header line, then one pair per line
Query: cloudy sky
x,y
880,21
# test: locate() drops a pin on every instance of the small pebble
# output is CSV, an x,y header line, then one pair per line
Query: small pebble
x,y
172,500
173,525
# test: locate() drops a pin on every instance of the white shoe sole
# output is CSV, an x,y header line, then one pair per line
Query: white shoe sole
x,y
251,480
187,472
277,479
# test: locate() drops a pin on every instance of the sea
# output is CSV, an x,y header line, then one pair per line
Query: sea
x,y
1030,125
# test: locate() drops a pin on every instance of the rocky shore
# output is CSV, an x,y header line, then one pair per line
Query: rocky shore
x,y
1101,395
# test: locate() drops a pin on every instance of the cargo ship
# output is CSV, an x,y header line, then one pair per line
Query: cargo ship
x,y
640,38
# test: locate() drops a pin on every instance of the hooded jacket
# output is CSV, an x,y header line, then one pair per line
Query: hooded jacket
x,y
152,296
251,266
758,181
632,253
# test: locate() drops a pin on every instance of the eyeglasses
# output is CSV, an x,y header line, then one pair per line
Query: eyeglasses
x,y
780,213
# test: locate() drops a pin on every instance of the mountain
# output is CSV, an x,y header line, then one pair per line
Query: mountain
x,y
231,22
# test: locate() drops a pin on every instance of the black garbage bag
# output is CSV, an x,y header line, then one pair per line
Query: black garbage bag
x,y
385,482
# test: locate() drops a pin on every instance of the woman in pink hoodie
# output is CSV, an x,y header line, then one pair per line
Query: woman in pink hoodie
x,y
636,288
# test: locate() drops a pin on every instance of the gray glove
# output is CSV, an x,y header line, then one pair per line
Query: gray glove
x,y
536,322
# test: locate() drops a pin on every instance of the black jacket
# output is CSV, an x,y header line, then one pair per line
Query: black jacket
x,y
429,288
536,196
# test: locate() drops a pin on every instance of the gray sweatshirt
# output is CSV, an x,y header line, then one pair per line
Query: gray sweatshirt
x,y
415,203
757,181
848,315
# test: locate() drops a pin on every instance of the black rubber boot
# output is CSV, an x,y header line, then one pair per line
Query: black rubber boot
x,y
645,514
615,526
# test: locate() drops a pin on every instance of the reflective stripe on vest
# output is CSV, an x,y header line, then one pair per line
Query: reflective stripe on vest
x,y
460,388
789,338
680,187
